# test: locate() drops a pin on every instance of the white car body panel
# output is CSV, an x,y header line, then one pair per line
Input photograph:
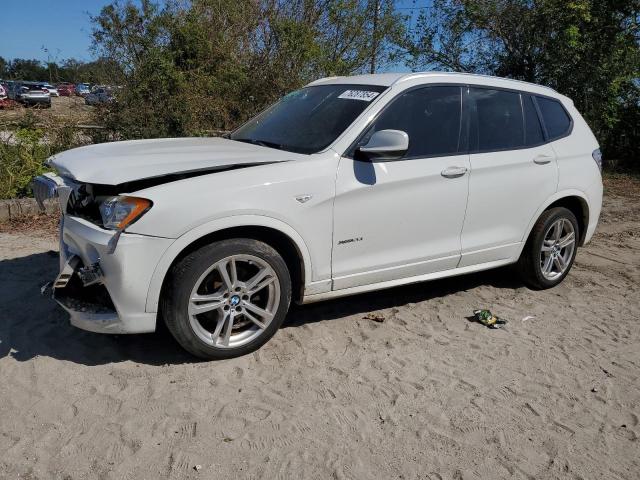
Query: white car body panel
x,y
575,171
408,245
115,163
357,226
494,223
259,191
224,223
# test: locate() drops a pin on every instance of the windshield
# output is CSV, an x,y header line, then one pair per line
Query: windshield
x,y
310,119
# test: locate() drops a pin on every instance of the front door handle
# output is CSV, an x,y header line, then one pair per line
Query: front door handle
x,y
542,159
453,172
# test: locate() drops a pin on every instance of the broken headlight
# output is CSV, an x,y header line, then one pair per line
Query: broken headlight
x,y
120,212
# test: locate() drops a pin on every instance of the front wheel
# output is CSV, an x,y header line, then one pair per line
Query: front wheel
x,y
227,299
550,249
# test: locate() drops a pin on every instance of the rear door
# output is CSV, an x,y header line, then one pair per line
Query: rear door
x,y
513,172
403,218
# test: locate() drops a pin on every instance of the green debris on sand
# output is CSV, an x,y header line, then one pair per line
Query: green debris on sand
x,y
488,319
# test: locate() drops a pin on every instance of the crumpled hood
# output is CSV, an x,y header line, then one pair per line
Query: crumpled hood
x,y
120,162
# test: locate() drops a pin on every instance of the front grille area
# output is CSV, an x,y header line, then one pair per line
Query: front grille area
x,y
77,199
83,203
85,200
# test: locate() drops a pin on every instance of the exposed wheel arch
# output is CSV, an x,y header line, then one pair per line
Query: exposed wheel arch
x,y
575,201
550,249
280,235
579,207
278,240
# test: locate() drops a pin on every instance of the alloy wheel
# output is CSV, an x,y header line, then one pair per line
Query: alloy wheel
x,y
233,301
557,249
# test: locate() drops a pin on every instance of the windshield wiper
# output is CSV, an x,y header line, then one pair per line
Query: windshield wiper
x,y
262,143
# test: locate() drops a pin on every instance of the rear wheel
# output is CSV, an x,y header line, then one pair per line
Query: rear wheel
x,y
550,250
227,299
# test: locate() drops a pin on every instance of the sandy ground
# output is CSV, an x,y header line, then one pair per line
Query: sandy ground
x,y
425,394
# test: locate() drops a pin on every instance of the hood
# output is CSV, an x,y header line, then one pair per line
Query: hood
x,y
121,162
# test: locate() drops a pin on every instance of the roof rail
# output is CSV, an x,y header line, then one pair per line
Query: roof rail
x,y
411,75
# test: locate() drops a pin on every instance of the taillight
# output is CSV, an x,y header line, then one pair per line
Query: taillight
x,y
597,157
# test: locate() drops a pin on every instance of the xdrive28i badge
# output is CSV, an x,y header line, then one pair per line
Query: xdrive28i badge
x,y
349,240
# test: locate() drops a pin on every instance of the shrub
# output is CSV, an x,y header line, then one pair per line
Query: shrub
x,y
22,156
25,147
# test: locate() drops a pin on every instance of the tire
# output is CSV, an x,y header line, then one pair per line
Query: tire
x,y
539,269
199,301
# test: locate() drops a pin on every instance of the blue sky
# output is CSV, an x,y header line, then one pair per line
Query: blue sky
x,y
64,27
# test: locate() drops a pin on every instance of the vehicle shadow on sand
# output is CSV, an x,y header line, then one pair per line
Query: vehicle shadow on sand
x,y
32,325
503,278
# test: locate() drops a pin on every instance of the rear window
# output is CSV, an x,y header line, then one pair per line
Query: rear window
x,y
498,122
555,117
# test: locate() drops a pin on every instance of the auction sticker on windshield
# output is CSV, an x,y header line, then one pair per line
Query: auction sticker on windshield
x,y
363,95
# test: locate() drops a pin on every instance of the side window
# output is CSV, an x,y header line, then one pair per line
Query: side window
x,y
533,130
556,120
430,116
498,122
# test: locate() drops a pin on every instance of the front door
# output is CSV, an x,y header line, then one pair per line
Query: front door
x,y
403,218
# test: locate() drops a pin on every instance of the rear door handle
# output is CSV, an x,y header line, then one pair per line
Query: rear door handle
x,y
453,172
542,159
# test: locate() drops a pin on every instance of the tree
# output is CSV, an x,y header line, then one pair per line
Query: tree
x,y
4,72
585,49
189,68
23,69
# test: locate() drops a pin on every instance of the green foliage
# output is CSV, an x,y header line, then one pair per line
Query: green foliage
x,y
586,49
209,65
21,158
71,70
24,150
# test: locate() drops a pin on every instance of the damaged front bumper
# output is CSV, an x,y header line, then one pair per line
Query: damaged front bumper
x,y
88,308
106,292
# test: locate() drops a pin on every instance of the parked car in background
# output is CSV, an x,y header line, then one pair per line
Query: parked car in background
x,y
3,91
99,96
29,93
349,185
66,89
53,91
83,89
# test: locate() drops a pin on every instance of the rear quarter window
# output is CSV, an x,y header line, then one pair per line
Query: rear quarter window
x,y
533,129
555,117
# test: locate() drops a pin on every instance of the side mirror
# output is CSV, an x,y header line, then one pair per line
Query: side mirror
x,y
386,145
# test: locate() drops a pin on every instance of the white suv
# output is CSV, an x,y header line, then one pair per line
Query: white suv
x,y
348,185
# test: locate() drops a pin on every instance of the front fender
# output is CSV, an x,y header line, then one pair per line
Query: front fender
x,y
182,242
